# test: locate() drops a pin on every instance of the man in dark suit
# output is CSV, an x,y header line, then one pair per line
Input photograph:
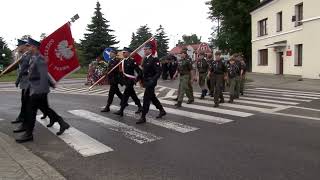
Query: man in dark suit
x,y
114,79
39,88
129,67
151,72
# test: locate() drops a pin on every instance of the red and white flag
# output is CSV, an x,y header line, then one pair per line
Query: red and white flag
x,y
60,50
139,55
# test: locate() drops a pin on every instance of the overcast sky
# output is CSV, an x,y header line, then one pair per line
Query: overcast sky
x,y
178,17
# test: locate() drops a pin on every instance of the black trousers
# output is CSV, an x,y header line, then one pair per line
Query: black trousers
x,y
114,89
172,70
24,102
39,101
129,92
165,71
217,82
150,96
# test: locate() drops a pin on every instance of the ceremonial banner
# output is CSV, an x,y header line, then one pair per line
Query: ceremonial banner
x,y
60,50
139,55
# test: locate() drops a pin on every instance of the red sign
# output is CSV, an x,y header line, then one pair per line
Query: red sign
x,y
289,53
60,50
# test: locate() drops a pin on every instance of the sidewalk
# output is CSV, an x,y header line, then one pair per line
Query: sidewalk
x,y
284,82
16,162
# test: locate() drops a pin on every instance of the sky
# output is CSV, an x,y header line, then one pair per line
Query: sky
x,y
178,17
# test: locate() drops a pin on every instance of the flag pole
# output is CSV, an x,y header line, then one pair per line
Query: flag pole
x,y
131,54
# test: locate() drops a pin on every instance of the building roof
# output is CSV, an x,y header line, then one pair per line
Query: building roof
x,y
261,4
177,49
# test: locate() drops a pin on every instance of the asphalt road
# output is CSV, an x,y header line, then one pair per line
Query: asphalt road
x,y
269,134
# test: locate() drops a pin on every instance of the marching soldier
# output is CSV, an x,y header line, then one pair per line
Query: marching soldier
x,y
202,69
22,80
218,69
209,77
185,71
129,66
172,65
114,79
39,89
238,63
233,70
243,75
151,73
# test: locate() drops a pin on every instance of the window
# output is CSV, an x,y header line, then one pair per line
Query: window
x,y
299,14
298,55
262,27
279,21
263,57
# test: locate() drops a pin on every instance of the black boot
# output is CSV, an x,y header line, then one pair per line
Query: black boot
x,y
175,99
179,104
18,120
221,101
120,113
139,110
241,93
142,120
216,105
51,123
190,101
205,92
161,113
63,126
106,109
20,128
25,138
231,99
202,94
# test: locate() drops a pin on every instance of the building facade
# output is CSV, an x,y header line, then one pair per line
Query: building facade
x,y
286,37
192,50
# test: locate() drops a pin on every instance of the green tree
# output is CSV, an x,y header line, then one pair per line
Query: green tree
x,y
186,40
142,35
163,41
233,32
99,36
5,53
80,54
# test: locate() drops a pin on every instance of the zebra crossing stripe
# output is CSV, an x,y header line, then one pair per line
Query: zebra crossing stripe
x,y
276,97
283,94
1,119
285,90
162,88
287,93
170,93
196,116
210,109
82,143
237,106
268,100
182,128
129,132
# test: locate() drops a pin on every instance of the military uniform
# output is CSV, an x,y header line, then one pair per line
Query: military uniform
x,y
23,82
151,73
129,67
210,77
185,86
39,89
114,78
202,67
218,69
233,70
243,77
237,88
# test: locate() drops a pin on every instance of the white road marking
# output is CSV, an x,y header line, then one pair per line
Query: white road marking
x,y
310,109
196,116
286,93
1,119
211,109
82,143
286,90
170,93
268,100
129,132
237,106
162,88
182,128
276,97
